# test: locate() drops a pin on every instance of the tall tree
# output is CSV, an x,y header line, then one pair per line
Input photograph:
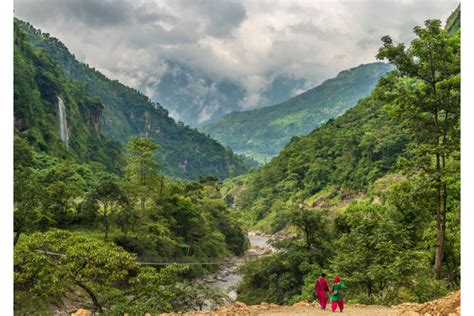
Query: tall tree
x,y
110,199
424,93
142,171
26,189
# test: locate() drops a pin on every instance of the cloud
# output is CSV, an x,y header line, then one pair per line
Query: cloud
x,y
204,58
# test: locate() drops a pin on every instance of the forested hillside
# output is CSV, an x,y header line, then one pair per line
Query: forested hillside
x,y
87,210
40,87
80,234
261,133
372,195
343,157
184,152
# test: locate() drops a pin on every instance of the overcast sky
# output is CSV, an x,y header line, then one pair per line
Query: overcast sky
x,y
248,43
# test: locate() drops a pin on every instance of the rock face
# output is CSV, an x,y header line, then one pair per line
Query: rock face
x,y
449,305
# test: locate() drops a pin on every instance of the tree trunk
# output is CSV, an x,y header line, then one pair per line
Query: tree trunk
x,y
106,227
161,187
440,237
97,306
442,200
17,237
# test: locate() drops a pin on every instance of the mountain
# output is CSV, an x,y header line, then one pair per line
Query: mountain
x,y
195,98
261,133
184,152
55,113
333,164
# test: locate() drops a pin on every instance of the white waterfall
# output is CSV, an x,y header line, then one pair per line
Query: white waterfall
x,y
63,131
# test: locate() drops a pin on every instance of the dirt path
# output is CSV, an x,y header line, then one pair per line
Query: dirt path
x,y
298,310
348,311
450,305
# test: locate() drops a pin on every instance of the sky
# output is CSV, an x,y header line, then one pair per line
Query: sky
x,y
201,59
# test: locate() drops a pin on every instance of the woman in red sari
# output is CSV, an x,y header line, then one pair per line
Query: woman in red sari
x,y
321,288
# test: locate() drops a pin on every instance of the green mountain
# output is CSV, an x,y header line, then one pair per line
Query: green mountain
x,y
261,133
55,113
184,152
334,162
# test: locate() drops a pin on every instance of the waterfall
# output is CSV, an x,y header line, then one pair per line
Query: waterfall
x,y
63,131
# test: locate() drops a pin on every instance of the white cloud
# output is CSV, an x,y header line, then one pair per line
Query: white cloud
x,y
247,42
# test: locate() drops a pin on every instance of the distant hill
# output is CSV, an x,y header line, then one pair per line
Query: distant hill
x,y
184,152
261,133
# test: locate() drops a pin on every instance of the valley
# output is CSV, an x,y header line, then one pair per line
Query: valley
x,y
121,210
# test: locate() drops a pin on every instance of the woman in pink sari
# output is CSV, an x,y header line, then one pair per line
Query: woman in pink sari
x,y
321,288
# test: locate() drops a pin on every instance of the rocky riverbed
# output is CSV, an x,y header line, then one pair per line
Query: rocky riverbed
x,y
228,277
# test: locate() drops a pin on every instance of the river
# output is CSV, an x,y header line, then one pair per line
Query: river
x,y
228,277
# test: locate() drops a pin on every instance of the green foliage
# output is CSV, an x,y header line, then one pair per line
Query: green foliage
x,y
453,24
109,276
184,152
424,96
399,148
111,200
279,278
347,153
38,82
374,254
166,291
86,265
263,132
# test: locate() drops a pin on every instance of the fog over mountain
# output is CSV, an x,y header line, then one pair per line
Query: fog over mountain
x,y
202,59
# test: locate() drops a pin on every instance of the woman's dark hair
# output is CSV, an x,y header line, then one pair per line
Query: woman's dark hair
x,y
323,275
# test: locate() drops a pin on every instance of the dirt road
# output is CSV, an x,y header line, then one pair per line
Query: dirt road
x,y
298,310
349,311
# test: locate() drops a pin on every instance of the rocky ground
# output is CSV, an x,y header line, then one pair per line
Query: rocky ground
x,y
228,277
300,309
449,305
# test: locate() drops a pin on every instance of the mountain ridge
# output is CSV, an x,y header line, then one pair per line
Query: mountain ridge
x,y
262,132
184,152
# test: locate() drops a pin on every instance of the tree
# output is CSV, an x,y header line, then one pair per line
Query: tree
x,y
313,226
424,94
126,219
166,291
110,199
372,253
26,189
49,265
142,171
64,187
